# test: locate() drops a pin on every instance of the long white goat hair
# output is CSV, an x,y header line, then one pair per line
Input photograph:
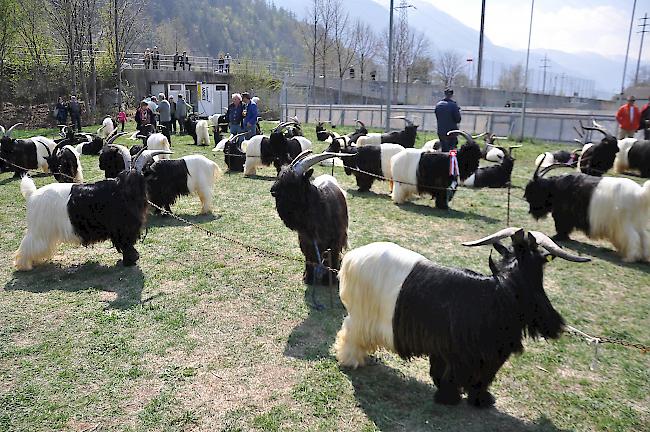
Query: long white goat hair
x,y
370,281
107,128
202,174
619,211
404,167
202,132
47,221
370,139
253,149
159,141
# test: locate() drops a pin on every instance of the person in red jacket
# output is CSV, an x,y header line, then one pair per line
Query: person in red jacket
x,y
629,118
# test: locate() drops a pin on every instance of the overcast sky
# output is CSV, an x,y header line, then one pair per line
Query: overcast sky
x,y
599,26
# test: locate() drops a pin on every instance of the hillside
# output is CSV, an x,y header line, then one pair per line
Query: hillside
x,y
207,27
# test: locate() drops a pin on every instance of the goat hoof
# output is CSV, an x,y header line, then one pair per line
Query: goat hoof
x,y
447,397
481,400
130,258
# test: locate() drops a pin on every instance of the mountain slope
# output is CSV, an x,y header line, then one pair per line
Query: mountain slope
x,y
243,28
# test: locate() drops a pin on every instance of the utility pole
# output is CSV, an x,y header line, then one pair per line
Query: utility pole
x,y
118,66
643,31
480,46
544,66
523,102
389,94
627,52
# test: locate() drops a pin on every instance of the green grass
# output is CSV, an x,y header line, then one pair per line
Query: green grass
x,y
203,335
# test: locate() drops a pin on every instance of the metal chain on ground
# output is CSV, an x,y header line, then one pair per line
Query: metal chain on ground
x,y
604,339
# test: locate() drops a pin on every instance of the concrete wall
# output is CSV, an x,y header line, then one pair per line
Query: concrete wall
x,y
141,79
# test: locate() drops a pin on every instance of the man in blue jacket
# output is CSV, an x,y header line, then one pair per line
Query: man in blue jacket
x,y
250,115
448,117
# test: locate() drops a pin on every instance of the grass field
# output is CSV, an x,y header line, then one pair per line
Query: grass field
x,y
203,335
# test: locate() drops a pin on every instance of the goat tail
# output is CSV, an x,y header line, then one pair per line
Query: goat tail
x,y
216,171
27,186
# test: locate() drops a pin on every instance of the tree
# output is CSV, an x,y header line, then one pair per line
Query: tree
x,y
448,66
326,11
416,48
366,49
311,37
345,41
512,78
8,34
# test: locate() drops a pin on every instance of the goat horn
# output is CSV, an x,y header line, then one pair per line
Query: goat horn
x,y
49,152
596,127
467,136
134,159
493,238
580,134
2,130
111,138
8,133
237,136
551,247
481,135
359,122
408,122
139,163
301,166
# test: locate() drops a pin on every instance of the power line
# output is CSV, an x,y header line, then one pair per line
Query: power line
x,y
643,31
545,65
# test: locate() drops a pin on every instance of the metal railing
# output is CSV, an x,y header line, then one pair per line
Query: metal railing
x,y
548,124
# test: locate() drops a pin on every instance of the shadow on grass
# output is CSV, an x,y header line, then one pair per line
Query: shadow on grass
x,y
313,337
12,179
158,221
446,214
395,402
261,177
355,193
126,282
603,253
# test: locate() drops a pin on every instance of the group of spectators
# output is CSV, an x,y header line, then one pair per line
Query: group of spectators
x,y
631,119
223,63
151,59
164,110
71,108
242,114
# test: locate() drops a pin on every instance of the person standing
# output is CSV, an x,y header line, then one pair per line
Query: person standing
x,y
61,112
121,117
644,120
250,115
628,117
156,58
147,58
181,113
234,114
226,62
153,104
176,59
145,117
186,59
448,116
74,107
164,111
172,112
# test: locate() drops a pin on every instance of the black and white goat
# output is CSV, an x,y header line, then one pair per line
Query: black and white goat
x,y
467,323
493,176
234,157
114,158
633,154
348,140
20,155
598,158
367,163
113,209
611,208
405,138
168,179
64,164
317,210
417,172
276,149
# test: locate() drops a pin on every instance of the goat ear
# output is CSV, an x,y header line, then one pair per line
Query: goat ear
x,y
503,251
308,174
493,266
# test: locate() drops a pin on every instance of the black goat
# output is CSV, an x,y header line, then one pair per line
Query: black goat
x,y
317,210
64,164
284,147
596,159
405,138
467,323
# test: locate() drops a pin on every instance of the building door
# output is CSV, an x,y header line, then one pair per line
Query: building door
x,y
221,98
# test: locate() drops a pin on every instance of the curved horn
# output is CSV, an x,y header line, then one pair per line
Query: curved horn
x,y
360,123
300,157
596,127
2,131
553,166
301,166
150,154
482,134
467,136
134,159
111,138
493,238
408,122
49,152
551,247
8,133
237,136
536,173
